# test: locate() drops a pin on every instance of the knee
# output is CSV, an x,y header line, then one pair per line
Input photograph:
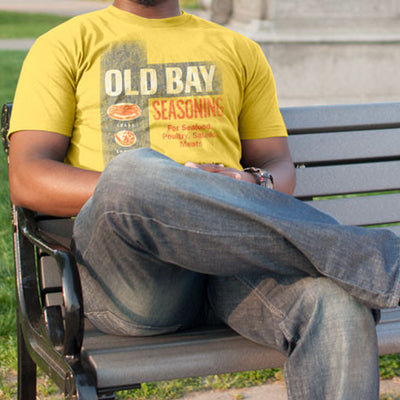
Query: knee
x,y
129,177
327,296
329,312
131,165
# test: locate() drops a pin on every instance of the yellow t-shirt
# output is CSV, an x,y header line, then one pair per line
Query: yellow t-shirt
x,y
113,81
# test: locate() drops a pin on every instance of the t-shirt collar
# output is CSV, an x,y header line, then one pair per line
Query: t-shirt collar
x,y
149,22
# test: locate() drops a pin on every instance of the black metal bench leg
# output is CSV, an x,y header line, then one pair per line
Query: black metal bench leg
x,y
26,370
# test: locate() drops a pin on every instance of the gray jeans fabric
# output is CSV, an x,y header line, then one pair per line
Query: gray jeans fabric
x,y
156,239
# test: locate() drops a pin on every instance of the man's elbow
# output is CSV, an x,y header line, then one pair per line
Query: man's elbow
x,y
19,193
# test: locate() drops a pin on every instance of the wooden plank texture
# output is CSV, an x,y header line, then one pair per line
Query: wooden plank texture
x,y
365,210
341,117
344,179
345,146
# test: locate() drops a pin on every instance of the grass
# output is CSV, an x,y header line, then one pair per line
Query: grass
x,y
10,64
14,25
193,4
20,25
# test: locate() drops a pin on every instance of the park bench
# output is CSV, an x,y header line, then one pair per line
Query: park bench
x,y
341,153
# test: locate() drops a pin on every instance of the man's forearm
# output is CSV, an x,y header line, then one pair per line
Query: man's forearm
x,y
39,178
273,155
53,188
284,175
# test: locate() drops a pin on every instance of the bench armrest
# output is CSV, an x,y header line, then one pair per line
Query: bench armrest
x,y
72,330
5,125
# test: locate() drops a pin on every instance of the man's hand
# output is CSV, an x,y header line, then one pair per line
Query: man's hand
x,y
271,154
221,169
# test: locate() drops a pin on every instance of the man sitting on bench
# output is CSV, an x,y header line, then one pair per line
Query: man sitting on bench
x,y
138,119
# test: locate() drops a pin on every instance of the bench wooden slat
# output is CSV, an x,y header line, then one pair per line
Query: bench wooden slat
x,y
365,210
345,179
50,281
49,274
388,334
389,316
345,146
341,117
209,350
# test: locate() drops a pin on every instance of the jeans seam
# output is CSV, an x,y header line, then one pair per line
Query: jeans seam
x,y
169,226
274,310
288,382
200,232
396,288
259,294
93,237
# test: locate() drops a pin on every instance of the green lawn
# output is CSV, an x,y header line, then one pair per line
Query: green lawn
x,y
14,25
189,4
19,25
10,64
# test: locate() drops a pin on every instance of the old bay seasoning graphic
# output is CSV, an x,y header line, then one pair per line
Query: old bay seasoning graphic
x,y
157,105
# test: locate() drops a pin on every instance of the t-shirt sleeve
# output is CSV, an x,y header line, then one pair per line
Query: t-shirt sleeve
x,y
260,116
45,94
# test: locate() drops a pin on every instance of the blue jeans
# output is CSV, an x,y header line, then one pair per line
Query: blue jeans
x,y
156,239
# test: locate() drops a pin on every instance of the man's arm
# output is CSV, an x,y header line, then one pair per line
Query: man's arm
x,y
39,179
273,155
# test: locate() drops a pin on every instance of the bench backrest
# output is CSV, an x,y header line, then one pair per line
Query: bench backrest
x,y
344,153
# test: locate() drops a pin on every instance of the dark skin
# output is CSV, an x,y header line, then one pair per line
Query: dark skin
x,y
40,180
150,8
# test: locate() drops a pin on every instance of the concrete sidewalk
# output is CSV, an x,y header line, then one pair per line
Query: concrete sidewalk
x,y
390,390
272,391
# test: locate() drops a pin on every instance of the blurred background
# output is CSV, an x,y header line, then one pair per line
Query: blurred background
x,y
322,51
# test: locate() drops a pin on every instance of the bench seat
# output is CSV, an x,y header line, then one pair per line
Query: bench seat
x,y
203,351
120,361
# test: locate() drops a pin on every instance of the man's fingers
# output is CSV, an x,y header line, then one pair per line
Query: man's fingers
x,y
205,167
221,169
191,164
231,173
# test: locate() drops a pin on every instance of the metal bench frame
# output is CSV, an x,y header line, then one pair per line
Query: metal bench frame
x,y
338,150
